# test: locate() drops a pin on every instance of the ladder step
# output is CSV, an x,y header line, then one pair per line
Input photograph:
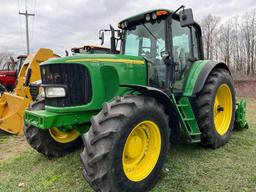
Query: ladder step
x,y
188,119
196,141
183,105
195,134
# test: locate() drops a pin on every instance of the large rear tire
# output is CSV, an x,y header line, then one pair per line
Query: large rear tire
x,y
126,146
51,142
216,109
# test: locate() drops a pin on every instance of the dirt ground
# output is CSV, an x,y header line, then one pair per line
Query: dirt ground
x,y
11,146
246,88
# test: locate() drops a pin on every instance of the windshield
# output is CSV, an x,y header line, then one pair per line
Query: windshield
x,y
148,40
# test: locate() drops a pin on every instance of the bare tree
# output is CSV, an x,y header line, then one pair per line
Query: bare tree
x,y
248,32
209,27
4,58
234,41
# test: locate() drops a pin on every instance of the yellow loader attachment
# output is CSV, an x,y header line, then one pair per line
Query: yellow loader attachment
x,y
13,105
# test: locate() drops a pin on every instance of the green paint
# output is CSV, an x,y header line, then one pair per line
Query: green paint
x,y
241,114
193,75
44,119
110,84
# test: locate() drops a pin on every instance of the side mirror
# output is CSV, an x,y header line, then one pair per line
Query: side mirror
x,y
186,17
101,37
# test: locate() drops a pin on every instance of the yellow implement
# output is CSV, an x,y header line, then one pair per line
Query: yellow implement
x,y
13,105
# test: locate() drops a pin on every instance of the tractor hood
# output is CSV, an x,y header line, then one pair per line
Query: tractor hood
x,y
97,58
99,78
89,81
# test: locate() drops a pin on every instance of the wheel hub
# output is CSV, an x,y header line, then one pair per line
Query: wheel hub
x,y
220,108
135,147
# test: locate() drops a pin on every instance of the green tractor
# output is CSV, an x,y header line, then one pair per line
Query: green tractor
x,y
128,107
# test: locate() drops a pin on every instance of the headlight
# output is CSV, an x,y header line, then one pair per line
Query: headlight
x,y
52,92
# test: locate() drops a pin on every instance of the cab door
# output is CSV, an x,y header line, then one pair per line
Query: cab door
x,y
184,52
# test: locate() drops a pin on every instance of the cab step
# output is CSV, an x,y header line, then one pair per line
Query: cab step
x,y
187,118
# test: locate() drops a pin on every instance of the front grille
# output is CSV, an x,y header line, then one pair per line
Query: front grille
x,y
75,77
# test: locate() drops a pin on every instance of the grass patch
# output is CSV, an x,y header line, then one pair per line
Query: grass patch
x,y
189,167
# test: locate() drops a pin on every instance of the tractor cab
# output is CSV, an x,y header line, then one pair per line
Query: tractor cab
x,y
169,42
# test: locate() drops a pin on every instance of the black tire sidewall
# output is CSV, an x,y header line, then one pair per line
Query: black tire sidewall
x,y
146,113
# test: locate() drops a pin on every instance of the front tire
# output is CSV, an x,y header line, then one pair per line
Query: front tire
x,y
126,146
216,109
51,142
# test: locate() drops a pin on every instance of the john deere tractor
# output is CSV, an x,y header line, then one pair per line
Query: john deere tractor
x,y
129,106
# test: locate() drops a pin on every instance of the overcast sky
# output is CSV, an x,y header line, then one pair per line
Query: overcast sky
x,y
62,24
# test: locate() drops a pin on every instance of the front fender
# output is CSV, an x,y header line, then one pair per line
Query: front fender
x,y
165,100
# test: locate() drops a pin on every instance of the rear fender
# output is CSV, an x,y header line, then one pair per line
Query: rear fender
x,y
205,72
198,74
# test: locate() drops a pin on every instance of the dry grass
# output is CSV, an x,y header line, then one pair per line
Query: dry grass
x,y
11,146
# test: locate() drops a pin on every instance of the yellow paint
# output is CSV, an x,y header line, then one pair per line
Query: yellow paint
x,y
63,137
13,105
141,151
140,62
223,108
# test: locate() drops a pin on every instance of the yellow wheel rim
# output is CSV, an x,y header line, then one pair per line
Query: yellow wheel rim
x,y
223,109
63,137
141,151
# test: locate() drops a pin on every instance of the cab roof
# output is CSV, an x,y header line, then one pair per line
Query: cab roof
x,y
142,15
21,56
140,18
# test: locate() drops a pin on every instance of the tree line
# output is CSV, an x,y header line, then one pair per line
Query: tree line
x,y
5,57
232,41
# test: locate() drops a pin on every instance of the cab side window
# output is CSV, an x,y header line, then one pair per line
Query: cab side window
x,y
183,51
